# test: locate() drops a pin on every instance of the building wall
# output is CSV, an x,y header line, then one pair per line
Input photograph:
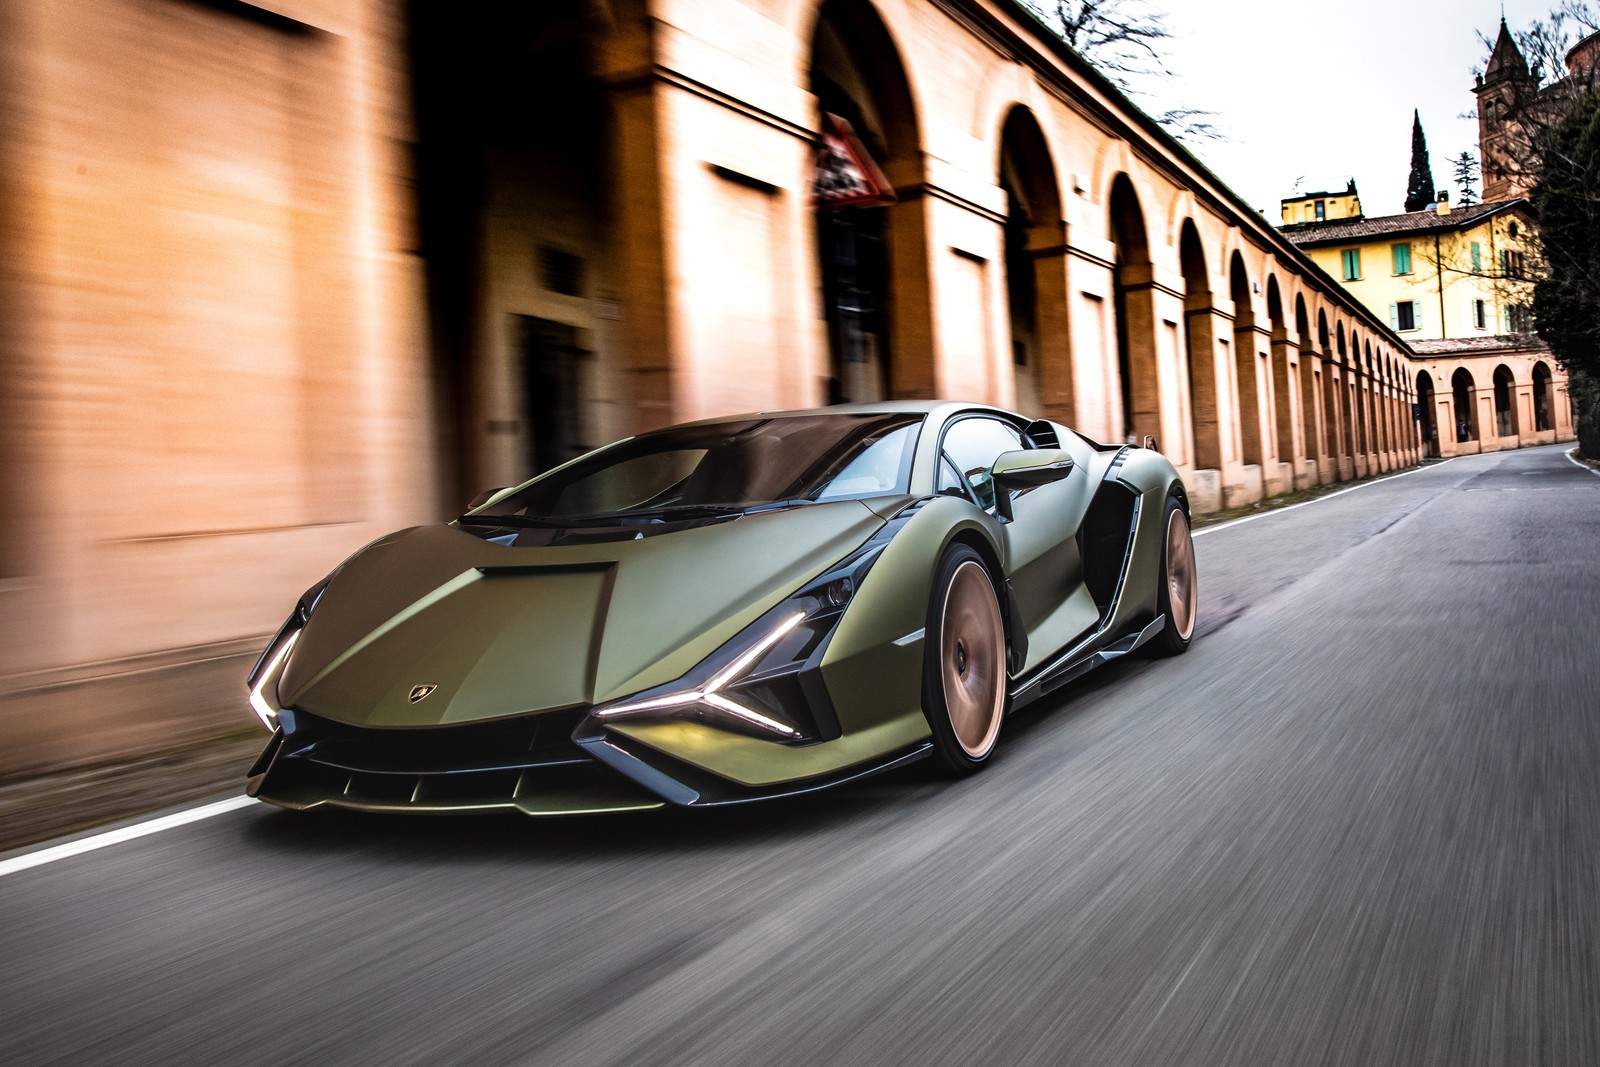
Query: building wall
x,y
1441,264
1303,209
232,367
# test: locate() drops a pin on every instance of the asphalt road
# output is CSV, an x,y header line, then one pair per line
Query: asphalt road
x,y
1358,823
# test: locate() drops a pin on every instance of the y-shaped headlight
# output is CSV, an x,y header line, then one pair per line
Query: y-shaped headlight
x,y
263,677
710,696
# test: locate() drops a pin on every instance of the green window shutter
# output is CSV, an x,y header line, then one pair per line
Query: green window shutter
x,y
1477,259
1394,317
1401,255
1505,263
1416,314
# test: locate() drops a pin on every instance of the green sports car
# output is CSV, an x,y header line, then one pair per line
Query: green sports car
x,y
725,611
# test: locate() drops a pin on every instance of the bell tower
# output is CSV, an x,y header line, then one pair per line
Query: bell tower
x,y
1505,88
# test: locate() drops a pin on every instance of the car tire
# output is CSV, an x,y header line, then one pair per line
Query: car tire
x,y
965,693
1177,587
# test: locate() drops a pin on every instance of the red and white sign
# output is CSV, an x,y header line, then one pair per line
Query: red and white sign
x,y
845,174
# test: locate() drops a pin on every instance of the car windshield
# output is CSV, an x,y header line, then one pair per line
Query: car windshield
x,y
731,466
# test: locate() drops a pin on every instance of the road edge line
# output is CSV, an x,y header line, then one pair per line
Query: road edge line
x,y
1572,455
1326,496
52,853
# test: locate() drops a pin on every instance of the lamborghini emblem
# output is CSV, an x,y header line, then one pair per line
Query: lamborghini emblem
x,y
420,691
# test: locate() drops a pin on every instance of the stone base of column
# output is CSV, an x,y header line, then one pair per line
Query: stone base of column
x,y
1205,490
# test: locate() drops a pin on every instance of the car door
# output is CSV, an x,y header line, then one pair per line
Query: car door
x,y
1042,560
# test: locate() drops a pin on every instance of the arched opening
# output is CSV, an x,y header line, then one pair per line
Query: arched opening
x,y
1543,404
1311,443
1505,391
1347,443
1330,422
1134,307
1245,360
517,229
872,253
1280,404
1200,350
1464,394
1035,264
1430,424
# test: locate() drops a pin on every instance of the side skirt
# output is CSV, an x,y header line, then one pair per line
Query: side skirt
x,y
1078,661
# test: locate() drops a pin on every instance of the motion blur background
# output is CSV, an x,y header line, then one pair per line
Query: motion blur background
x,y
278,278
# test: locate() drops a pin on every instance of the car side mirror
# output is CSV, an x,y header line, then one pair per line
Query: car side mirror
x,y
484,497
1027,468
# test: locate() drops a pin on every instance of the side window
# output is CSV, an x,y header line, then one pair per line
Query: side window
x,y
972,445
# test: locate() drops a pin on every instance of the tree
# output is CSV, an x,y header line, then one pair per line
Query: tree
x,y
1466,173
1566,300
1125,40
1420,188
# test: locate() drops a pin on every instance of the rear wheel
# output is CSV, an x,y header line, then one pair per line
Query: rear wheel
x,y
964,662
1177,596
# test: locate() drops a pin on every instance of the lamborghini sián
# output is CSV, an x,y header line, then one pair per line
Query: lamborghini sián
x,y
726,611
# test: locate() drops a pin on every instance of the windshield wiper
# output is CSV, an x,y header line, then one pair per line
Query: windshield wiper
x,y
680,511
512,522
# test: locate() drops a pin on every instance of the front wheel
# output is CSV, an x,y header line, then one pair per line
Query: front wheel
x,y
1177,595
964,662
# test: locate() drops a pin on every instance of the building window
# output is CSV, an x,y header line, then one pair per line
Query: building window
x,y
1512,229
1351,258
1405,315
560,271
1519,319
1401,254
1479,318
1477,259
1322,210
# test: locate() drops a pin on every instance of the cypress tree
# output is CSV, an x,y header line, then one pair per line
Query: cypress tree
x,y
1419,191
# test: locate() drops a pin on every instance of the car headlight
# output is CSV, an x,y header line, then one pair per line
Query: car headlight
x,y
753,683
263,677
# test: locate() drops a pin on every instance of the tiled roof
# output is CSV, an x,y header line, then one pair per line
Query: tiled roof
x,y
1468,346
1312,234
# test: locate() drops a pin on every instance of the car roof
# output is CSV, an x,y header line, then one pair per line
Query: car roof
x,y
882,407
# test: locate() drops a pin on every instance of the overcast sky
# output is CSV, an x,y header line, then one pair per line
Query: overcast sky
x,y
1325,91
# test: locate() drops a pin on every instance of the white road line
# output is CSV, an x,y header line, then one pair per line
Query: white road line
x,y
1572,454
126,833
1320,499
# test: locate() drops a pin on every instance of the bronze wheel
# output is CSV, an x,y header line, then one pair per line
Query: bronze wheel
x,y
1178,595
965,658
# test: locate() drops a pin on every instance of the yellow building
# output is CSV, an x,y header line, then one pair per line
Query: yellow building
x,y
1454,284
1435,274
1322,207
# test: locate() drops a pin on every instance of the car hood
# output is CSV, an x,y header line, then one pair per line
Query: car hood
x,y
501,631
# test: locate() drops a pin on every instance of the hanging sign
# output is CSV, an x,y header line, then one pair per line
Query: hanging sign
x,y
845,174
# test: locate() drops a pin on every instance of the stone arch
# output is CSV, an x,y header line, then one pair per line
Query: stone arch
x,y
1133,285
1430,421
873,259
1035,270
1464,397
1280,406
1543,397
1244,360
1308,366
1200,350
1505,401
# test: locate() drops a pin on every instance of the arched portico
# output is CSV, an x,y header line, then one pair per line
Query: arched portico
x,y
1035,268
1200,351
872,256
1430,420
1464,393
1505,394
1138,369
1543,398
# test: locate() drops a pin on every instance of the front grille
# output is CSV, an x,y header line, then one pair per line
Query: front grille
x,y
508,744
528,764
